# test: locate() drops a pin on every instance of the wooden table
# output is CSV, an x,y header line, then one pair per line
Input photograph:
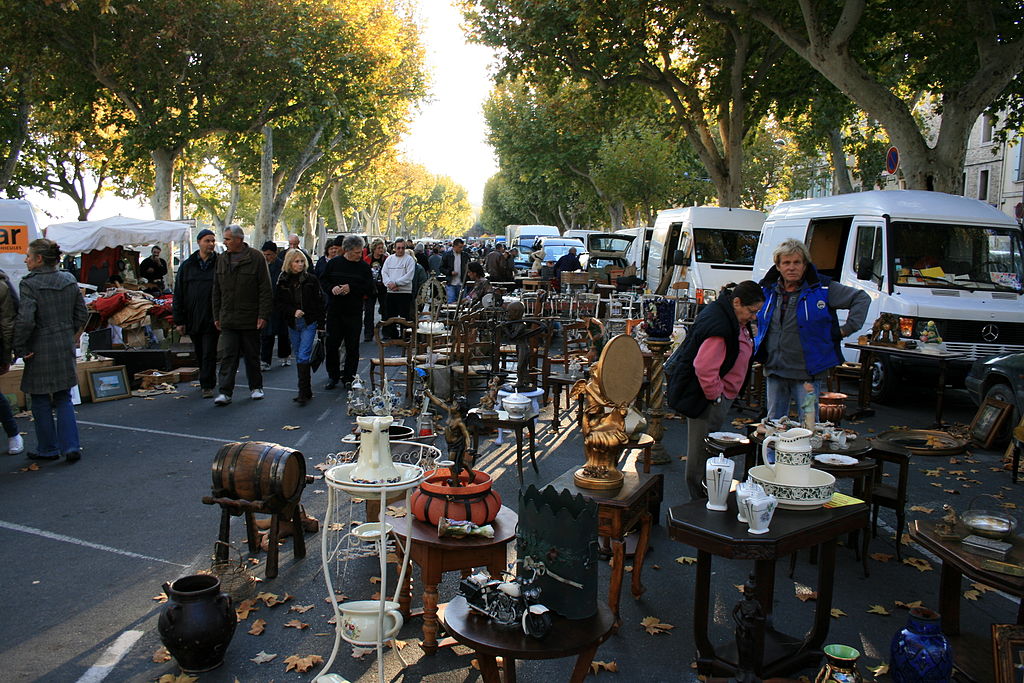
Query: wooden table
x,y
633,506
942,358
568,637
861,473
720,533
478,422
558,382
957,562
436,555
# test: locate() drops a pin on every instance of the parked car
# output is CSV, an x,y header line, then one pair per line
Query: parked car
x,y
1000,378
554,249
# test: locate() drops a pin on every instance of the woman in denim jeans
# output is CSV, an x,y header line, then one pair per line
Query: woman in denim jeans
x,y
300,302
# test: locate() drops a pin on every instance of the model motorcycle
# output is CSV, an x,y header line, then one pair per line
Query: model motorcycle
x,y
511,601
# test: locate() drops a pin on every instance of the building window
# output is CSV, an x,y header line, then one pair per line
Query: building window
x,y
983,185
1018,172
988,124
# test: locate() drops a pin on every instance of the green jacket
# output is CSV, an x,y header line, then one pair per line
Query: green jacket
x,y
241,290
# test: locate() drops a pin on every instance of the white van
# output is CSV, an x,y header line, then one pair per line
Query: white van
x,y
18,227
920,255
706,246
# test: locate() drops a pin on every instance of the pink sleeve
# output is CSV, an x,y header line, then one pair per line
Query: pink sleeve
x,y
733,380
707,364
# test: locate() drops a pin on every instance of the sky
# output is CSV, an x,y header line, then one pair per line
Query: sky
x,y
447,135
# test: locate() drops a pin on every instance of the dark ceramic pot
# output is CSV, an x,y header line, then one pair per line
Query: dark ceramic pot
x,y
920,653
197,623
840,665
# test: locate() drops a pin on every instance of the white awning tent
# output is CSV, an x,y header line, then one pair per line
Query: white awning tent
x,y
116,231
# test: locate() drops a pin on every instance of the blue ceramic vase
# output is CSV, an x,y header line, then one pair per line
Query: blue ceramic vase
x,y
920,653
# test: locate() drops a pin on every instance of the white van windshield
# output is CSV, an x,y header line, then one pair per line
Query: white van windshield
x,y
725,246
957,256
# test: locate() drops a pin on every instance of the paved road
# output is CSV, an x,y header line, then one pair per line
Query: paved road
x,y
87,546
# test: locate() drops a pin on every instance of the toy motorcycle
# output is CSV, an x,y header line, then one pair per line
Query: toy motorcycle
x,y
512,602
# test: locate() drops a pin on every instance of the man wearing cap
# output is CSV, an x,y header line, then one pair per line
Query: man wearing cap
x,y
242,305
276,328
193,307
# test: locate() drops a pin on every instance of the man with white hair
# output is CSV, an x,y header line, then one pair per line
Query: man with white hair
x,y
293,243
798,334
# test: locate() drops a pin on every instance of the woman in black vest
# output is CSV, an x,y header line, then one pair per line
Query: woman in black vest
x,y
707,371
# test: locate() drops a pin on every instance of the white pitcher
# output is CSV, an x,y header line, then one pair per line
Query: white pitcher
x,y
746,489
792,456
718,475
375,464
758,510
359,620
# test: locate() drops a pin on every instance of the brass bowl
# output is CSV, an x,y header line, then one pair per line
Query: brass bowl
x,y
989,524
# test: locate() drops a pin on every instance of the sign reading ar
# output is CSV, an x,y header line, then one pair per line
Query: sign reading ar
x,y
13,238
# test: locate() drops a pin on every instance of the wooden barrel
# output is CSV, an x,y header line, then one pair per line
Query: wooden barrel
x,y
257,470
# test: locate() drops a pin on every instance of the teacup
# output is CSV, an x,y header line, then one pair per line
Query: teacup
x,y
359,620
758,510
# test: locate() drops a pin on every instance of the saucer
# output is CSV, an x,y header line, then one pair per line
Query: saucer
x,y
835,459
727,437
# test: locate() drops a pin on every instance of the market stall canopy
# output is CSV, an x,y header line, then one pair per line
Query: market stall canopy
x,y
116,231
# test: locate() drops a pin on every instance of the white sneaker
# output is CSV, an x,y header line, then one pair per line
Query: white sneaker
x,y
265,366
222,400
256,394
15,445
285,362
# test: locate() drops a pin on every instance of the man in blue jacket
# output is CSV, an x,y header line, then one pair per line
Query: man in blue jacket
x,y
798,333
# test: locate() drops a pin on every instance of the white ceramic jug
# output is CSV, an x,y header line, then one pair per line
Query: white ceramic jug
x,y
375,464
792,456
758,510
359,620
746,489
718,475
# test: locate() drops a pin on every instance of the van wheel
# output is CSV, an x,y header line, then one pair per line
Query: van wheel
x,y
1003,392
883,381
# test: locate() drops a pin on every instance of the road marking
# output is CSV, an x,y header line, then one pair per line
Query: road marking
x,y
155,431
77,541
110,657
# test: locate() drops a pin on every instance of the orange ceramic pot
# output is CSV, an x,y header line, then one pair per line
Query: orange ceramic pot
x,y
474,501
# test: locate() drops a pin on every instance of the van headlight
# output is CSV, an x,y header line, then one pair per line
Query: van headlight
x,y
709,295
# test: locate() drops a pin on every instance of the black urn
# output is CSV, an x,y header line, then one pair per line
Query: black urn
x,y
197,623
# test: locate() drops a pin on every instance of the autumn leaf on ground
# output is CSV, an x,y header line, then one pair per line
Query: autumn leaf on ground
x,y
981,588
360,652
918,563
879,670
972,594
335,526
686,560
31,467
397,644
952,492
296,624
173,678
161,655
738,586
374,579
599,666
881,557
302,663
322,466
921,508
397,512
258,627
804,593
340,597
906,540
933,473
836,613
301,609
1009,506
878,609
162,598
269,599
244,607
262,657
654,625
909,605
291,428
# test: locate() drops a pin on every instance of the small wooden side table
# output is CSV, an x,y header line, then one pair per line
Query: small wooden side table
x,y
633,506
436,555
643,443
557,384
515,425
580,637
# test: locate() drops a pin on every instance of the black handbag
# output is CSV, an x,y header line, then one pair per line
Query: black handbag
x,y
316,357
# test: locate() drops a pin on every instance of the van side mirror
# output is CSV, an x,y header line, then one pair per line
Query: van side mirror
x,y
679,258
865,269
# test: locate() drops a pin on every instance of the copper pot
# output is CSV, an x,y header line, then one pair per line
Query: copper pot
x,y
832,406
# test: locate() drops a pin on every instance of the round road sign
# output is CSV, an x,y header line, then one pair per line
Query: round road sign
x,y
892,160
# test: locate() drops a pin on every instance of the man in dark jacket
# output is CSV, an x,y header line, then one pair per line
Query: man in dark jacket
x,y
276,329
153,269
242,305
193,307
347,280
453,266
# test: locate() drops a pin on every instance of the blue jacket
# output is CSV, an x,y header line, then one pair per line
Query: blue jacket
x,y
817,323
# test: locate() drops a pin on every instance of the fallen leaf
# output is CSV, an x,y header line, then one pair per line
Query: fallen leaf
x,y
972,594
340,597
374,579
909,605
654,625
881,557
245,436
291,428
258,627
738,586
879,670
981,588
322,466
655,566
296,624
162,598
933,473
686,560
836,613
262,657
598,666
398,644
804,593
31,467
360,652
952,492
918,563
301,609
397,512
905,539
878,609
243,609
270,599
302,663
335,526
921,508
172,678
161,655
1009,506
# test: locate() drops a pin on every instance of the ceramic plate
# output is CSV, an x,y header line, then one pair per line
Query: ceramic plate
x,y
835,459
727,437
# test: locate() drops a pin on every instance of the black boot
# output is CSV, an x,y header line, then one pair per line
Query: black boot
x,y
305,384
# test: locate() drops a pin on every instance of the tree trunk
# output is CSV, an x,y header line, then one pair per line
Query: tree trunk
x,y
339,210
163,179
841,183
17,144
265,218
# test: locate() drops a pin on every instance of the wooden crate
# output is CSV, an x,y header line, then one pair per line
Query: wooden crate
x,y
187,374
150,378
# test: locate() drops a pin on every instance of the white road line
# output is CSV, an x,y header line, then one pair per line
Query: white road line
x,y
77,541
110,657
155,431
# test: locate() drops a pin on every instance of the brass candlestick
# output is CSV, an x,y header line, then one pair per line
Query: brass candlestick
x,y
656,406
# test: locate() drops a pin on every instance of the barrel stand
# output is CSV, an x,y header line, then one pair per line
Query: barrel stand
x,y
231,507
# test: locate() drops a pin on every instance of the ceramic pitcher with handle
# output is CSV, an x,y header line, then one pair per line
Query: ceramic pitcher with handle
x,y
792,455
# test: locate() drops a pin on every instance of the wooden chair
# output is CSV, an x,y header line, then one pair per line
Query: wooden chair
x,y
574,342
847,370
473,356
405,342
893,496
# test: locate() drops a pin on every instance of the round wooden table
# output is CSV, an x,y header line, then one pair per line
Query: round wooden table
x,y
568,637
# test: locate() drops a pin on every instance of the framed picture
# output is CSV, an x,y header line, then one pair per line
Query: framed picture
x,y
108,384
988,420
1008,653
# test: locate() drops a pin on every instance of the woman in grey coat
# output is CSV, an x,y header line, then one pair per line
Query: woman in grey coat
x,y
51,315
